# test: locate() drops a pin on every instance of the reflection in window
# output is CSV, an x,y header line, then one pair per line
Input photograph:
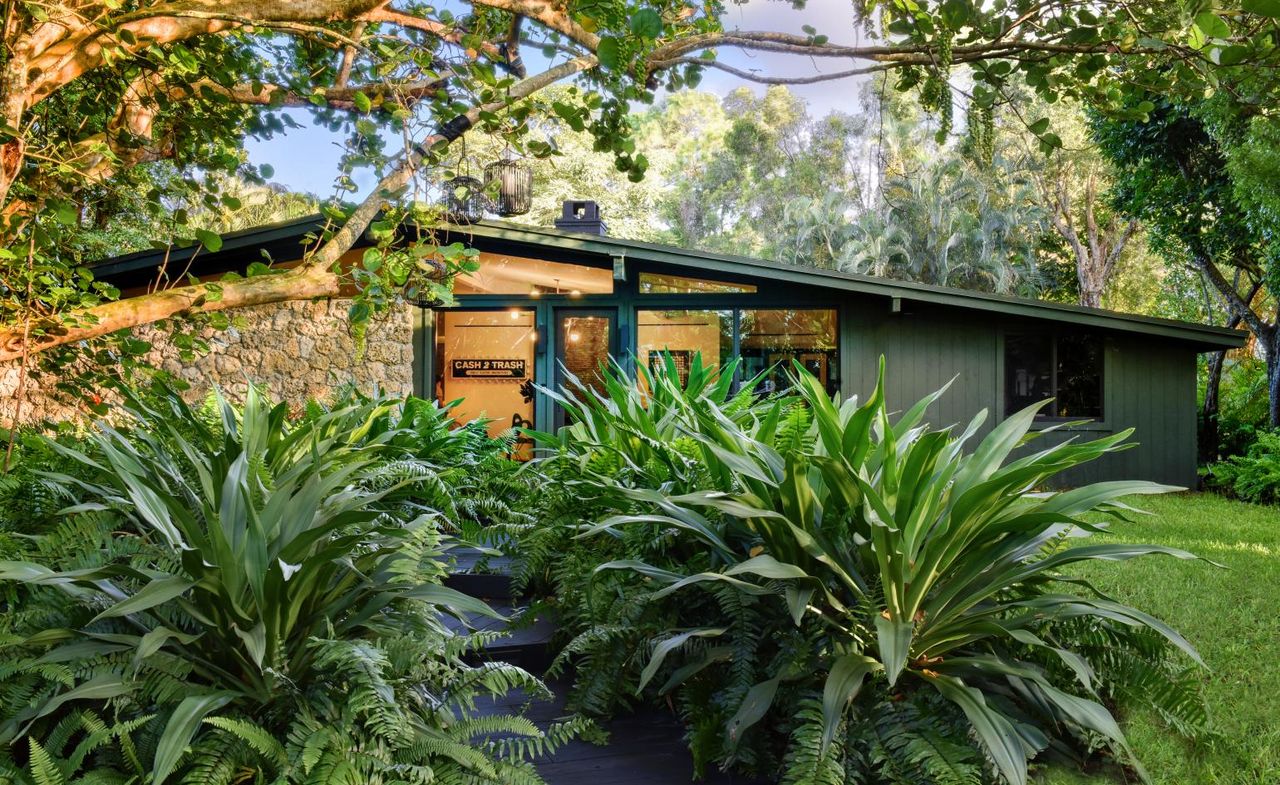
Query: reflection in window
x,y
584,348
499,274
484,360
770,339
653,283
1067,368
682,334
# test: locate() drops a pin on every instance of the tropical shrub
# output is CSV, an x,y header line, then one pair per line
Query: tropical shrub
x,y
829,593
1254,476
1242,405
461,471
240,596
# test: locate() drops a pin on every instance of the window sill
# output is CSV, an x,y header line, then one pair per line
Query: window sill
x,y
1087,427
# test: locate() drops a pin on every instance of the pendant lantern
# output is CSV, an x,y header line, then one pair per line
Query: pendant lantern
x,y
511,182
464,199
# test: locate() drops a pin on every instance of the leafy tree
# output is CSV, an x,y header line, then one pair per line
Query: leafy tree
x,y
772,152
1071,183
1198,177
933,213
89,91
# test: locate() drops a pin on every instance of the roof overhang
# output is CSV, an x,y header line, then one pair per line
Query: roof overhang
x,y
283,239
1205,337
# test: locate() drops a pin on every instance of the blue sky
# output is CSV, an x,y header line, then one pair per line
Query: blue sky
x,y
306,159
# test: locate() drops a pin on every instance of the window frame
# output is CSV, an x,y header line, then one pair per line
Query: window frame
x,y
1100,424
752,288
735,310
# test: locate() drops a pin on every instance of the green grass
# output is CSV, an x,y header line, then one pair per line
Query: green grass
x,y
1231,615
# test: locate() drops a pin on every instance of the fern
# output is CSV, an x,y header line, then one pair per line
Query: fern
x,y
44,771
808,761
252,734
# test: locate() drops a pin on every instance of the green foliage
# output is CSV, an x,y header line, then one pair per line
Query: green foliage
x,y
1253,476
1242,404
239,591
1227,613
870,602
1194,174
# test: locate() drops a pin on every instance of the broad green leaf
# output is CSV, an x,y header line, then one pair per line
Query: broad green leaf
x,y
646,23
607,52
997,734
255,641
842,686
1212,26
669,645
210,240
158,592
754,706
100,687
894,638
181,729
457,602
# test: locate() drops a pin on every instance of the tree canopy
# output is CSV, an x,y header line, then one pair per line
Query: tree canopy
x,y
89,90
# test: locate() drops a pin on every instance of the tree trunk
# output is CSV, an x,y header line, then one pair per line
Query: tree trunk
x,y
1272,351
1090,294
1210,435
303,283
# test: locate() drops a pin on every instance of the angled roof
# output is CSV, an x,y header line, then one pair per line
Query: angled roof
x,y
281,241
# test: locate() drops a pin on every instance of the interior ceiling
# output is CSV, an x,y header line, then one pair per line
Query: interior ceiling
x,y
515,274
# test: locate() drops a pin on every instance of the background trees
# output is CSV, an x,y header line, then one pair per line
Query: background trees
x,y
1197,176
89,91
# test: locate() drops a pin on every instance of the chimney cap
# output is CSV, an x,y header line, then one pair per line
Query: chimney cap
x,y
581,215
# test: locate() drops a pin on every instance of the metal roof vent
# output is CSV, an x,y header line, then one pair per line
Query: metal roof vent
x,y
581,215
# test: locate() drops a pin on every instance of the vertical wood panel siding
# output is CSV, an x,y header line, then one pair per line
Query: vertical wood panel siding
x,y
1149,385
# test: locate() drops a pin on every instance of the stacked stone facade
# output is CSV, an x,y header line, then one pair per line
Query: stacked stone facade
x,y
297,350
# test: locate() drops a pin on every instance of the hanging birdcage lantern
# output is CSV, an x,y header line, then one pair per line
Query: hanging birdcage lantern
x,y
511,183
464,199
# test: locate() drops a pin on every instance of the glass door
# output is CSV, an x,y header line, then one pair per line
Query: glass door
x,y
484,360
585,340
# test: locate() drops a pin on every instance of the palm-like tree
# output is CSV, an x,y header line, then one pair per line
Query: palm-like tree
x,y
876,246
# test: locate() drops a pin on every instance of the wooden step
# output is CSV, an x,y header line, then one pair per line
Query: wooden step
x,y
645,748
483,574
528,639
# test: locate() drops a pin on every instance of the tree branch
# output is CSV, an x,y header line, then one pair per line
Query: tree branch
x,y
1236,304
299,284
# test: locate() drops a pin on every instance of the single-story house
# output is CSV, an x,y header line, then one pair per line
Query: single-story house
x,y
549,300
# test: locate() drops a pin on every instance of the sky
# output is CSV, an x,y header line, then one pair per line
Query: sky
x,y
306,159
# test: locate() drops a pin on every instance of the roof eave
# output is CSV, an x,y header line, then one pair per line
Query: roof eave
x,y
1202,337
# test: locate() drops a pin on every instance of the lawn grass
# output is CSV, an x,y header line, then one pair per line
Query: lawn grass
x,y
1231,615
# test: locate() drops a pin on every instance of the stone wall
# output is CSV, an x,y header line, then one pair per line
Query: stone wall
x,y
298,350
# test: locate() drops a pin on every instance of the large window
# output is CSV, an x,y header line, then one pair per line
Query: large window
x,y
684,334
484,360
500,274
1067,368
769,339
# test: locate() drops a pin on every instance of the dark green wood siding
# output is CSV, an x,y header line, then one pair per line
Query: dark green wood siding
x,y
1149,384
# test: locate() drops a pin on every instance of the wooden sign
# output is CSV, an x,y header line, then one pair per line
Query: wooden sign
x,y
488,368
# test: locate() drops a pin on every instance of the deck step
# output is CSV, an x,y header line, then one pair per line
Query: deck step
x,y
481,573
644,748
487,586
528,642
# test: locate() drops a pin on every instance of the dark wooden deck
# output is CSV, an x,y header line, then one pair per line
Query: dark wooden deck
x,y
644,748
